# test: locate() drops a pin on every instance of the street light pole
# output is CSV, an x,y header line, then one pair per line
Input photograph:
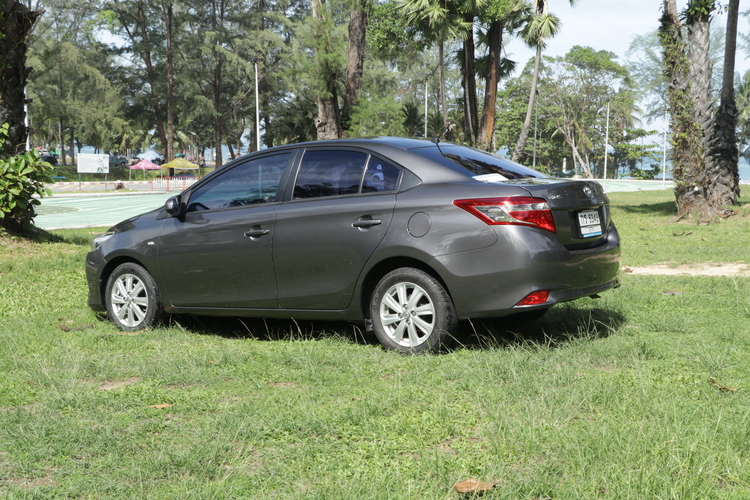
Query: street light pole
x,y
536,122
257,110
425,106
664,157
606,147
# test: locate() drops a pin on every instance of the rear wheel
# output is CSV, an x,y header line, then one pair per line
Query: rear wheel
x,y
411,312
132,298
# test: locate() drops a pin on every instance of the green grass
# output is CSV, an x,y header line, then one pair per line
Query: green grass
x,y
608,398
645,221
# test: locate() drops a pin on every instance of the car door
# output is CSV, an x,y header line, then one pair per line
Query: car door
x,y
218,254
340,210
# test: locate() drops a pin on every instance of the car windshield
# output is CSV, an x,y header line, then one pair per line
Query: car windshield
x,y
477,164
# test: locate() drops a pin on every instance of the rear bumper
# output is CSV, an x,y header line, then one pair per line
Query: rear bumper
x,y
489,282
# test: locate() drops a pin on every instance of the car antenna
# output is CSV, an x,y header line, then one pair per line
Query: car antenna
x,y
448,127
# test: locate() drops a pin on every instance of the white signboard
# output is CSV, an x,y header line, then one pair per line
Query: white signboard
x,y
93,164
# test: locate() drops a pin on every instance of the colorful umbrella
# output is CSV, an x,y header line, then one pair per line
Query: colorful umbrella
x,y
145,165
180,163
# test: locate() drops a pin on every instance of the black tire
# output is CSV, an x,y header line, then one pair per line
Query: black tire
x,y
132,298
412,313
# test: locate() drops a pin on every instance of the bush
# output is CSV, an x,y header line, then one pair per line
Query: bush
x,y
21,177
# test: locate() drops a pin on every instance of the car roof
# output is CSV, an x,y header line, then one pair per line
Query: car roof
x,y
399,142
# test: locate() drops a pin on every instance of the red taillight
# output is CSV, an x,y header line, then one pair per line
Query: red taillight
x,y
519,210
535,298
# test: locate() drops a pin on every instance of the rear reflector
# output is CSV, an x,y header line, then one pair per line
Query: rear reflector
x,y
513,210
535,298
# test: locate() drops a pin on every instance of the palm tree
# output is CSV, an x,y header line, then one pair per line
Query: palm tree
x,y
743,115
687,135
723,152
17,22
413,119
542,27
494,67
444,22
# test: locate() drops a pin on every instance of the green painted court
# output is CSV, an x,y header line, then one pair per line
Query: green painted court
x,y
99,209
59,212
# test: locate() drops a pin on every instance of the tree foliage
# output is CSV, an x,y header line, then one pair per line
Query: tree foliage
x,y
22,177
570,122
116,96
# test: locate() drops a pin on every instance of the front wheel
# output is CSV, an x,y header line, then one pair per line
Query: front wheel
x,y
412,313
132,298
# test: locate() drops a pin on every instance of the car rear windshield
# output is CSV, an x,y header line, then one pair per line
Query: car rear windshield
x,y
476,163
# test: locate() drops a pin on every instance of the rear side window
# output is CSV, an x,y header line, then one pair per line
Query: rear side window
x,y
476,163
380,176
329,173
249,183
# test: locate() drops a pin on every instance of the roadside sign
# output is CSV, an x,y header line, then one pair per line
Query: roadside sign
x,y
93,164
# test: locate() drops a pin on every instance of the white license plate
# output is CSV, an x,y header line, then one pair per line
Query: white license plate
x,y
588,220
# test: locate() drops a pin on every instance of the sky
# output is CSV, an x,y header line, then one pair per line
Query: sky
x,y
609,25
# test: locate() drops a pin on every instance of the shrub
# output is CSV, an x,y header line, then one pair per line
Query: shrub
x,y
21,177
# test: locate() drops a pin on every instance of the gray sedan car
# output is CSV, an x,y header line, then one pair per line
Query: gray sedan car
x,y
407,236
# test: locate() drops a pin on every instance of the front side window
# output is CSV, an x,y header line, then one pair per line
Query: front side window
x,y
255,181
329,173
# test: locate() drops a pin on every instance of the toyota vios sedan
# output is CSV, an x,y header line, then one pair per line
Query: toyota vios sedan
x,y
407,236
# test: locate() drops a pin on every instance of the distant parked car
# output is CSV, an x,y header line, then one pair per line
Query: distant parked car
x,y
406,236
117,161
51,159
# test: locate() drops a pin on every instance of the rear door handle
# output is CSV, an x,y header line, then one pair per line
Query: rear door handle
x,y
365,223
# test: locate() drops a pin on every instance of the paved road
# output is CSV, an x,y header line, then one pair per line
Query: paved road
x,y
71,208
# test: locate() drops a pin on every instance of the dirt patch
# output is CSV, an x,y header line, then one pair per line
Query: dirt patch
x,y
708,269
116,384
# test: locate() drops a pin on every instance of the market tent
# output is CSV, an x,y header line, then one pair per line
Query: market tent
x,y
181,164
149,155
145,165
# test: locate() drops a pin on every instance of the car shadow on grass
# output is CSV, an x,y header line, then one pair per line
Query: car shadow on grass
x,y
273,329
561,325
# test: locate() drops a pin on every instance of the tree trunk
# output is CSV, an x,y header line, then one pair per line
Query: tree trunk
x,y
470,84
72,145
487,122
168,17
443,104
218,136
355,62
518,152
687,143
723,150
699,42
328,122
151,74
16,22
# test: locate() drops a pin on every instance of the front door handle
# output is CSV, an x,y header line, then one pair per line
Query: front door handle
x,y
256,232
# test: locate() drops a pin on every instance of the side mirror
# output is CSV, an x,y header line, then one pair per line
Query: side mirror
x,y
173,206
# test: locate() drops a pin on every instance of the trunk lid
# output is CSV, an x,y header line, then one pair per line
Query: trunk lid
x,y
580,208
